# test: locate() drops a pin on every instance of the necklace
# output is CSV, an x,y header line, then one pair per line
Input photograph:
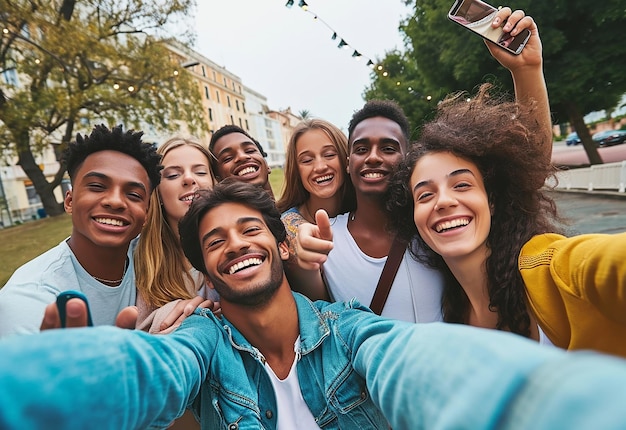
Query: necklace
x,y
109,281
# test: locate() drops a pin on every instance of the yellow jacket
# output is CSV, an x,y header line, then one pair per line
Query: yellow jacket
x,y
576,288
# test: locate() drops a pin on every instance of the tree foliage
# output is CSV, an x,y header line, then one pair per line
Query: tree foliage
x,y
84,62
584,57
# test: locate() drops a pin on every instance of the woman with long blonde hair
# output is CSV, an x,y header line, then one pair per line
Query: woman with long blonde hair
x,y
163,274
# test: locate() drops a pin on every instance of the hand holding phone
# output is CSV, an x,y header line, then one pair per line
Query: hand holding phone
x,y
477,16
62,300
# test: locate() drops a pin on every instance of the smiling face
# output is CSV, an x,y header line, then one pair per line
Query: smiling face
x,y
238,156
185,170
452,211
108,201
242,259
377,146
318,164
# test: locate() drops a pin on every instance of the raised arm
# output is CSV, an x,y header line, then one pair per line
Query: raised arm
x,y
526,69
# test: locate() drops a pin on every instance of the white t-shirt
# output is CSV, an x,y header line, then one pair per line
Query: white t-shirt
x,y
415,294
37,283
292,410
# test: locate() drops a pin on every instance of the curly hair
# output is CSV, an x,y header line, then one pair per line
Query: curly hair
x,y
294,193
387,109
503,140
101,139
230,190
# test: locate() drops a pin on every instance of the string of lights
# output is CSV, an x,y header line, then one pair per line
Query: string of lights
x,y
343,44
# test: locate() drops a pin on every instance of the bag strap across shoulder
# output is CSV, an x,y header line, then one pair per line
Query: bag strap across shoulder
x,y
388,275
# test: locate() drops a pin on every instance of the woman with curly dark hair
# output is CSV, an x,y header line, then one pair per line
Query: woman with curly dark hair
x,y
471,194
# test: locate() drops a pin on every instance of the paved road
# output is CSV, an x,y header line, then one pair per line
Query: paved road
x,y
592,213
563,155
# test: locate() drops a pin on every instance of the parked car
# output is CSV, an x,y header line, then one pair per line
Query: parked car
x,y
609,137
572,139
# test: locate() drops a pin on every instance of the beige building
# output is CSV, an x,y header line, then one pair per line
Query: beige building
x,y
223,99
287,120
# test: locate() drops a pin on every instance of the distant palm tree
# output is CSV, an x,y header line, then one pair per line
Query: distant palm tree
x,y
304,114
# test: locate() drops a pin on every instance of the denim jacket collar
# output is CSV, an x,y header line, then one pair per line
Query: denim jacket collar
x,y
313,329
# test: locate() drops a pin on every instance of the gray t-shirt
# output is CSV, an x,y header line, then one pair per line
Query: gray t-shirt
x,y
36,284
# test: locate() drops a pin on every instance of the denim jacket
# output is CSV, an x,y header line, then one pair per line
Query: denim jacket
x,y
422,376
238,394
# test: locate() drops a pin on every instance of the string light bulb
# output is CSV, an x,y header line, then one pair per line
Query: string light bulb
x,y
289,3
303,5
342,44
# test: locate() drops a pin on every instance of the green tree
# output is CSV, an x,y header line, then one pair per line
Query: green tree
x,y
304,114
84,62
584,56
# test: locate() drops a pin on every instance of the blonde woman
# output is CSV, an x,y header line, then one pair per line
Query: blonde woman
x,y
165,280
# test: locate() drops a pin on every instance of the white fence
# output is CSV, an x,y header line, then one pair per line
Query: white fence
x,y
610,176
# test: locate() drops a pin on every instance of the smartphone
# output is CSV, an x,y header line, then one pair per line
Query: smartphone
x,y
62,299
476,16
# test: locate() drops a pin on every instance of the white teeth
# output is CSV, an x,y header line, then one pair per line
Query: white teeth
x,y
451,224
373,175
110,221
324,178
246,171
243,264
188,198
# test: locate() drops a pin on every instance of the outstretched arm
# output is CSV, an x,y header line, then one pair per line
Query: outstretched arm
x,y
439,375
103,376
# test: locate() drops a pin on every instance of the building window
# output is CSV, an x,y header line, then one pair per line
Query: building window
x,y
217,93
240,123
225,83
247,128
243,106
203,72
237,104
31,193
233,86
228,100
239,89
214,76
10,77
210,114
206,92
232,120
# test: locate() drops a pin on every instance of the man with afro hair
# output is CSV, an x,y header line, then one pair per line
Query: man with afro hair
x,y
112,174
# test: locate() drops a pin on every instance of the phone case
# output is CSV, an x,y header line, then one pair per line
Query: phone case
x,y
62,299
476,16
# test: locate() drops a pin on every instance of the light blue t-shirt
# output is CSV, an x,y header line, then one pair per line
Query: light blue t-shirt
x,y
37,283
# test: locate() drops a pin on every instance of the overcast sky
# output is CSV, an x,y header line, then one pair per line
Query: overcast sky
x,y
284,54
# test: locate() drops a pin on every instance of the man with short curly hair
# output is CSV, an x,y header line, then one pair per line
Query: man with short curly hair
x,y
112,173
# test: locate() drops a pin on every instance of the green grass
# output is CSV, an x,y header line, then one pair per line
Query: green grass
x,y
277,177
24,242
